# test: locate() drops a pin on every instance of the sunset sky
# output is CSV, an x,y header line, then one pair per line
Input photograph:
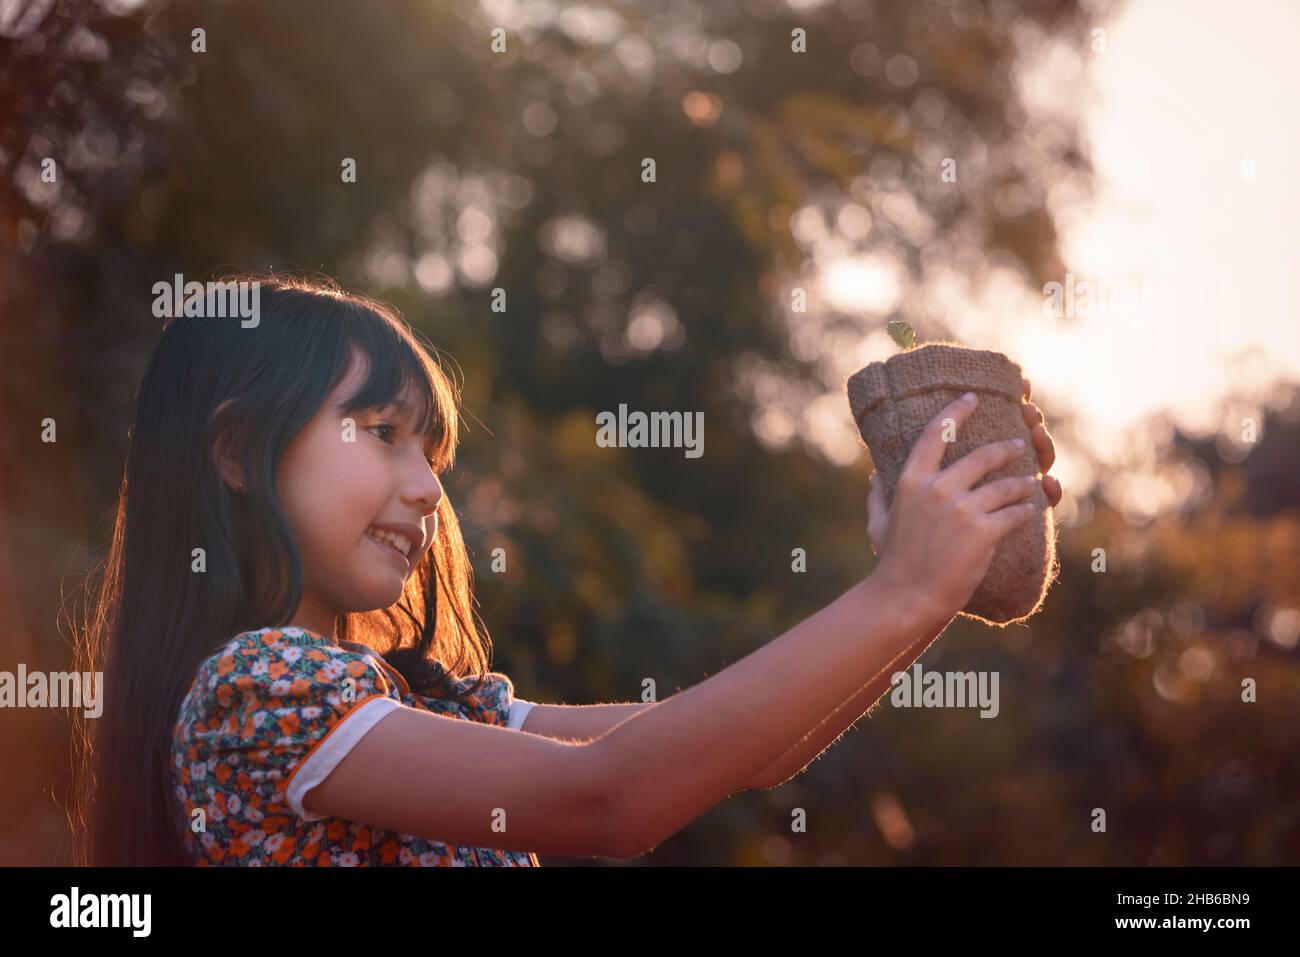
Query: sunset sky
x,y
1183,106
1184,98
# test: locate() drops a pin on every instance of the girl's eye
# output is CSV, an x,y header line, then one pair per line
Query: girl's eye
x,y
385,425
431,459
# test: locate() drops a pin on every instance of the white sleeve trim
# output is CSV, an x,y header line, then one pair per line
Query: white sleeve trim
x,y
519,709
332,749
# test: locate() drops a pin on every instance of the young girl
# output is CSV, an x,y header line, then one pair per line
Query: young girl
x,y
285,626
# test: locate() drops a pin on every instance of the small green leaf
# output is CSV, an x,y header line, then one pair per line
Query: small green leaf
x,y
902,333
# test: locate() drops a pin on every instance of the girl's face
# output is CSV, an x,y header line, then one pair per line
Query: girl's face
x,y
336,485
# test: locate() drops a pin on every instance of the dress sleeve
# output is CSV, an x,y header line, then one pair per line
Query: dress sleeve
x,y
519,709
289,714
498,704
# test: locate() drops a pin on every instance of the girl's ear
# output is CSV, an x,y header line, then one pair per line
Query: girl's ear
x,y
226,467
231,474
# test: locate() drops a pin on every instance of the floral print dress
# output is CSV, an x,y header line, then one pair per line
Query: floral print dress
x,y
268,716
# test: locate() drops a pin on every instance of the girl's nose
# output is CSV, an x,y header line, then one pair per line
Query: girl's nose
x,y
429,492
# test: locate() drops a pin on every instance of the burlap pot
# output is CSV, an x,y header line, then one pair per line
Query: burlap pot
x,y
892,402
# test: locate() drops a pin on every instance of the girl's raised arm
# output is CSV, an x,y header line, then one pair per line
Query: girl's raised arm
x,y
623,793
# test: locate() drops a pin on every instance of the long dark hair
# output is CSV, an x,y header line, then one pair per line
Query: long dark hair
x,y
150,620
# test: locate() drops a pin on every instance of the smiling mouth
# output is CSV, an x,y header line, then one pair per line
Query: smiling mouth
x,y
390,549
400,543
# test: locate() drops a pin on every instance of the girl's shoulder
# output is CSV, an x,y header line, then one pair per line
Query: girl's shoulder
x,y
273,668
286,650
283,666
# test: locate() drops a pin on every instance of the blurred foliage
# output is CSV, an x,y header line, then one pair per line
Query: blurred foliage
x,y
522,170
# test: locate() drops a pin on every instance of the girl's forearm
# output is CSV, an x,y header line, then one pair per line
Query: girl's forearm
x,y
674,761
844,717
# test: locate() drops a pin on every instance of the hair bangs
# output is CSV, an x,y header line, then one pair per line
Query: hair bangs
x,y
401,375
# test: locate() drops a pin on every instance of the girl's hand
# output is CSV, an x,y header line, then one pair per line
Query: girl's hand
x,y
940,538
878,510
1043,445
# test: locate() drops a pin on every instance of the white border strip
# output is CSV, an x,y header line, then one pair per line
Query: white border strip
x,y
519,709
333,749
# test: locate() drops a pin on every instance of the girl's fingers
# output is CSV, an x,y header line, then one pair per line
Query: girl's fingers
x,y
994,495
1053,489
974,465
1043,446
1005,519
1032,414
928,452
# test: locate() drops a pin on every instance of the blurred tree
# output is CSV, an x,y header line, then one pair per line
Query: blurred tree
x,y
522,169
